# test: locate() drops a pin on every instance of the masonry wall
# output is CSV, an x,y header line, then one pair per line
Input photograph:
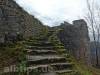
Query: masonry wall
x,y
76,40
14,20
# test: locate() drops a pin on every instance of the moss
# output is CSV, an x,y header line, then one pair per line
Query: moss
x,y
70,73
11,53
81,68
34,72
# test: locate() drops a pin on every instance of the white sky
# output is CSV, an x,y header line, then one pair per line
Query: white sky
x,y
53,12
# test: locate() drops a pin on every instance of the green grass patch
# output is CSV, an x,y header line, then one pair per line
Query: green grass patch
x,y
82,68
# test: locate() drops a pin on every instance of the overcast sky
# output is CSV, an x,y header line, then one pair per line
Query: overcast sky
x,y
53,12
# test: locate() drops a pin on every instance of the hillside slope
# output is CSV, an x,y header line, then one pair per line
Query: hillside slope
x,y
15,25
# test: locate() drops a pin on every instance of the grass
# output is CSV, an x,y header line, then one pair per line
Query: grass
x,y
72,73
95,71
82,68
11,53
86,70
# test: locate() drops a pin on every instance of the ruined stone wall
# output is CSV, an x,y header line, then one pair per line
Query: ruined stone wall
x,y
14,20
76,39
10,19
84,40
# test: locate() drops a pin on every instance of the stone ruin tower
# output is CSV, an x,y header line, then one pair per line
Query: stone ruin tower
x,y
83,41
76,39
13,19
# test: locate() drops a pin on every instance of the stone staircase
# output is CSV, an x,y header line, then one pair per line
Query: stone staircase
x,y
47,58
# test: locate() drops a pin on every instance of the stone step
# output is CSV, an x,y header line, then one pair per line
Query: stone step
x,y
41,57
62,66
67,72
36,60
45,61
64,71
45,47
36,47
40,39
37,66
53,66
48,68
41,43
49,73
42,52
46,50
35,41
42,71
56,40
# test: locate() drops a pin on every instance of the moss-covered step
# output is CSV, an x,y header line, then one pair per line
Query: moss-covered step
x,y
38,47
42,52
56,68
35,60
39,43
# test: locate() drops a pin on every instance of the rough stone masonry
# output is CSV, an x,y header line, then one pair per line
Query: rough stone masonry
x,y
14,20
76,39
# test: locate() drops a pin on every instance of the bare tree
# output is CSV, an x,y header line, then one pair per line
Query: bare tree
x,y
93,19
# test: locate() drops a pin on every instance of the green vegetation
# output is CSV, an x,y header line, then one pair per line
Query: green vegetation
x,y
15,53
73,73
11,54
81,68
86,70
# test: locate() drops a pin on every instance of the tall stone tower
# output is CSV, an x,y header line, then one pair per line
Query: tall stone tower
x,y
83,50
76,39
13,19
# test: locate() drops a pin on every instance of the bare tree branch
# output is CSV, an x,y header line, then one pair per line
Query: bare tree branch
x,y
94,21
